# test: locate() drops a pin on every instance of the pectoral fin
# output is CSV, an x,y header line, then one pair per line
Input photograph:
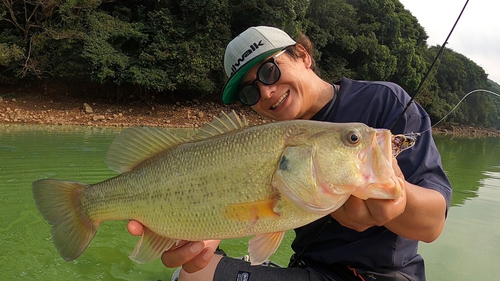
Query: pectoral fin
x,y
151,246
262,246
299,178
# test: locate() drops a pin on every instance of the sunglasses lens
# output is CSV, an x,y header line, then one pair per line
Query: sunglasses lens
x,y
269,73
249,95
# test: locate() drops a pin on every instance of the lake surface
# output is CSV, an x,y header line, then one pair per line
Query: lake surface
x,y
468,249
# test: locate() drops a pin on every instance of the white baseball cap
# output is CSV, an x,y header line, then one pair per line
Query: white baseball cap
x,y
248,49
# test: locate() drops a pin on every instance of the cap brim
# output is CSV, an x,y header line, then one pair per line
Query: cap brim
x,y
230,91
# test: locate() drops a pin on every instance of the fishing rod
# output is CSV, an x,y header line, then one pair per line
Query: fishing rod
x,y
419,88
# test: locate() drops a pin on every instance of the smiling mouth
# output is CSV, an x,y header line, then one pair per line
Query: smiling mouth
x,y
281,100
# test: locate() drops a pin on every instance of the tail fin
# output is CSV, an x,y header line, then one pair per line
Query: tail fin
x,y
59,202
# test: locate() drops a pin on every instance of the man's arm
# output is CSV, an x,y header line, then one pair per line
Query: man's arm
x,y
419,214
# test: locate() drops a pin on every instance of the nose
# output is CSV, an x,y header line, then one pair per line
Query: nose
x,y
266,91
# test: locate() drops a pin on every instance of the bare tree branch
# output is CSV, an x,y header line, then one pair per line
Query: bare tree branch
x,y
8,4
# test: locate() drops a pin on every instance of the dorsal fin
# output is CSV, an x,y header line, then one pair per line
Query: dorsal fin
x,y
226,123
137,144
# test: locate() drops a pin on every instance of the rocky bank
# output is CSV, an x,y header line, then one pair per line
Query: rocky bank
x,y
41,109
54,110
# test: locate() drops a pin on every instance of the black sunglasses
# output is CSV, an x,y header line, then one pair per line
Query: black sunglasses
x,y
267,74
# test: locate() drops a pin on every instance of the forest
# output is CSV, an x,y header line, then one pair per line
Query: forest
x,y
122,50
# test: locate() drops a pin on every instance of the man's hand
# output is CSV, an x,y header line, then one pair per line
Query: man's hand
x,y
193,256
361,214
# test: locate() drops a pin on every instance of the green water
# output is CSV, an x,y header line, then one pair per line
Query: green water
x,y
467,249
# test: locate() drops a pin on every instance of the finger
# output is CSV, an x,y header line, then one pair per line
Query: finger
x,y
135,228
193,256
358,212
384,211
203,259
341,217
354,214
199,262
183,254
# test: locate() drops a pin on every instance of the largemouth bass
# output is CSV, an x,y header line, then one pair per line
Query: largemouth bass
x,y
230,180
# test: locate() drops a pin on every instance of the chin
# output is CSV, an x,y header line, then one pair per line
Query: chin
x,y
283,116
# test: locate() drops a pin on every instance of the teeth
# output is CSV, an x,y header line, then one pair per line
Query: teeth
x,y
281,100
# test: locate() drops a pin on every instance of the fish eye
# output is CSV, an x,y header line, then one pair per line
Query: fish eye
x,y
353,137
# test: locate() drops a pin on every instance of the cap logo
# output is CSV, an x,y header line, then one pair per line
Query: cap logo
x,y
247,53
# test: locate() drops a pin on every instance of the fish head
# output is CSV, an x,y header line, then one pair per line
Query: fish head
x,y
357,160
334,161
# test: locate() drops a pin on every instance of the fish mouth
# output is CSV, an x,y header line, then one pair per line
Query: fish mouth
x,y
376,168
387,185
383,139
381,156
379,149
280,101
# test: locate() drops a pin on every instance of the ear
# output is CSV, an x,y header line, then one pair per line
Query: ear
x,y
304,55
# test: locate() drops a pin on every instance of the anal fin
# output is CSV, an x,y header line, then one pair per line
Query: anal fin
x,y
151,246
262,246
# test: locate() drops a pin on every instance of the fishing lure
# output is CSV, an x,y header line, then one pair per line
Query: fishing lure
x,y
403,142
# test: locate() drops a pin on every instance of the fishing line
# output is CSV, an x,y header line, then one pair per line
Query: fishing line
x,y
418,91
453,109
403,142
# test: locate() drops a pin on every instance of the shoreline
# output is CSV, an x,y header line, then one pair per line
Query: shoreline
x,y
43,109
37,109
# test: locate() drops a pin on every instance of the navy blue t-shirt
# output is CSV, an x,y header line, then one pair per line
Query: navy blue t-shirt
x,y
379,105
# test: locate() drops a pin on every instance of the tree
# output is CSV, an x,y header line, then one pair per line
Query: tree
x,y
456,77
118,49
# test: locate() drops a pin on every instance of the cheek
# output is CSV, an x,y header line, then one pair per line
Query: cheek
x,y
299,87
298,103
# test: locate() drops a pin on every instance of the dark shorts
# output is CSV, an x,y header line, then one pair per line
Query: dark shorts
x,y
230,269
